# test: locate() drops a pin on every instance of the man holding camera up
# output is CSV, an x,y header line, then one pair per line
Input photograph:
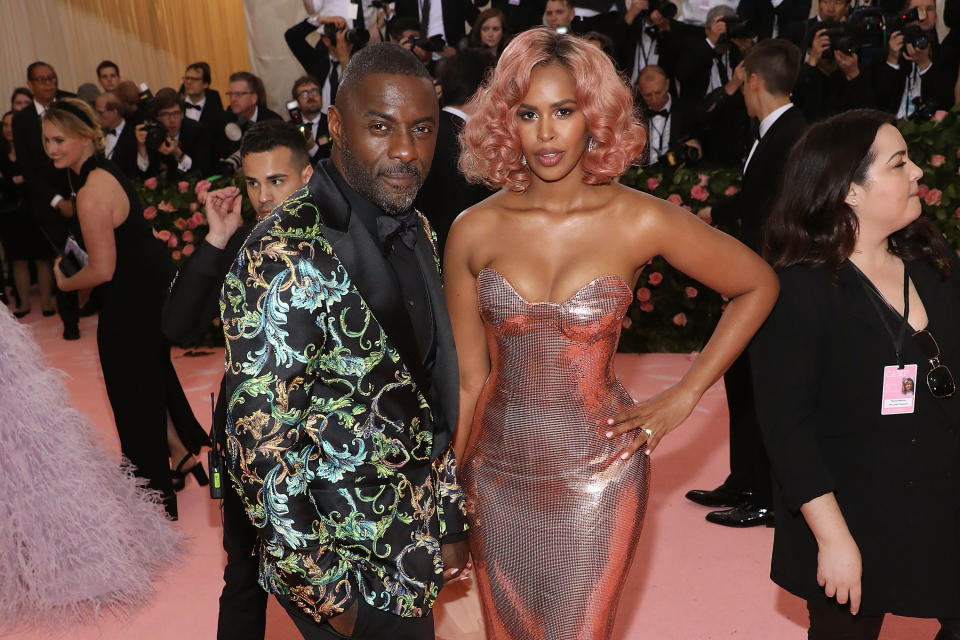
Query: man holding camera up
x,y
172,143
911,81
709,64
830,79
330,56
653,37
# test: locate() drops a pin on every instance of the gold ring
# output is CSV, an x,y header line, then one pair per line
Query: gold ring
x,y
649,432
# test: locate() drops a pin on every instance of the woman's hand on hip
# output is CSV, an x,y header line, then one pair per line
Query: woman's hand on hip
x,y
653,418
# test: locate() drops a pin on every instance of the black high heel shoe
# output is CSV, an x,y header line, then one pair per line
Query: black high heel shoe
x,y
178,476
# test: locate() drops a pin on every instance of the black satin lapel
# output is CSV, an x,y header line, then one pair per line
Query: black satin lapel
x,y
445,375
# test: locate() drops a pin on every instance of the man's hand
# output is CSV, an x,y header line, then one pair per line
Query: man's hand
x,y
65,207
636,8
894,47
343,49
715,30
170,147
736,80
660,22
455,556
141,135
920,57
821,42
223,215
336,21
848,63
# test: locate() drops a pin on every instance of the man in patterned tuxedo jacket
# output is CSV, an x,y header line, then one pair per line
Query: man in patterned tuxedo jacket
x,y
342,376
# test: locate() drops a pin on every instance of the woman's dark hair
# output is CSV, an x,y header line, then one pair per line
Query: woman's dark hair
x,y
4,144
20,91
486,14
812,224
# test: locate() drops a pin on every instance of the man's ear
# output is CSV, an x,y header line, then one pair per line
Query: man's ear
x,y
335,126
306,173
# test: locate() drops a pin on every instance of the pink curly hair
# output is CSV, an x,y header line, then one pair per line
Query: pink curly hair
x,y
491,151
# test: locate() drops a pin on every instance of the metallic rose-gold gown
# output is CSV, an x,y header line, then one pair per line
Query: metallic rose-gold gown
x,y
555,516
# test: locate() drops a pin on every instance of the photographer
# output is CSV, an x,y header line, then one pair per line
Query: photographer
x,y
773,18
333,51
831,79
171,143
444,18
275,164
671,124
406,33
708,64
652,37
312,120
911,81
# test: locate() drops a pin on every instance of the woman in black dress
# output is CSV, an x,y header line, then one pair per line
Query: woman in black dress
x,y
134,270
19,231
853,386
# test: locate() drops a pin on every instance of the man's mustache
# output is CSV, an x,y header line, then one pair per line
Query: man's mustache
x,y
399,168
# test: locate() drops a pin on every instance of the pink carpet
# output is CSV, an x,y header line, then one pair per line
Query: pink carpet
x,y
690,580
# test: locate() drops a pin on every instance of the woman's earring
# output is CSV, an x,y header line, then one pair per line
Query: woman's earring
x,y
523,160
592,144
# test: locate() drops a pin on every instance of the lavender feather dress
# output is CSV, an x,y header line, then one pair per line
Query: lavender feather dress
x,y
78,533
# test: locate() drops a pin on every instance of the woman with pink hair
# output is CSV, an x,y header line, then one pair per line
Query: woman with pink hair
x,y
538,279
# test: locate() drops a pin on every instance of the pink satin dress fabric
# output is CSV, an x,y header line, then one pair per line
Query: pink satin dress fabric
x,y
555,515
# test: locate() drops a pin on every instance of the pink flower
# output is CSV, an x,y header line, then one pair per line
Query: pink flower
x,y
183,186
704,180
175,254
150,213
933,197
957,212
188,249
180,223
202,187
706,214
922,190
627,323
643,294
163,234
191,223
690,291
197,217
675,199
937,160
653,183
166,206
729,191
194,206
188,237
680,319
172,241
699,193
939,115
655,278
646,306
150,183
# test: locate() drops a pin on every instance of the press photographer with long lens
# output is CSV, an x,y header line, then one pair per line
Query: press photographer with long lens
x,y
912,82
652,37
275,164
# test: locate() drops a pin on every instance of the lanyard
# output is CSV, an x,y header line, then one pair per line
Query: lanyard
x,y
873,293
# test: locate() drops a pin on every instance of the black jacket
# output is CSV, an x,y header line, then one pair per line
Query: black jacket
x,y
889,85
522,15
125,152
457,14
820,96
211,116
694,67
228,146
671,46
760,15
196,143
817,372
752,204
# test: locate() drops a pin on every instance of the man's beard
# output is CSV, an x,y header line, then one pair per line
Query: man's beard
x,y
371,188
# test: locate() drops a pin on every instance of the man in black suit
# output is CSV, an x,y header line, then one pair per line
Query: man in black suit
x,y
248,104
652,37
769,72
669,122
48,188
120,136
186,149
445,192
708,64
325,60
306,91
201,103
446,18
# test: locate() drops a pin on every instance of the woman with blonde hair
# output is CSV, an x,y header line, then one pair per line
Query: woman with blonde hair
x,y
133,270
538,279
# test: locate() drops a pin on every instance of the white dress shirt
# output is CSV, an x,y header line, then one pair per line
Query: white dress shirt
x,y
194,114
659,132
112,138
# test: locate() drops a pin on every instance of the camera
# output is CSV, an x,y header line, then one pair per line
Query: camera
x,y
296,119
664,7
156,132
913,34
923,110
682,153
356,37
433,44
842,37
737,28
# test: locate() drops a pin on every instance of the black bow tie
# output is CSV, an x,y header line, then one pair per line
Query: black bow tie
x,y
402,226
663,113
109,132
189,106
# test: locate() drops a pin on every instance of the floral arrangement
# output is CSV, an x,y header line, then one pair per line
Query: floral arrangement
x,y
672,312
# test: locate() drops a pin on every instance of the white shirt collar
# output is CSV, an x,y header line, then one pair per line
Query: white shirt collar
x,y
712,46
457,112
772,117
119,128
200,104
40,108
256,112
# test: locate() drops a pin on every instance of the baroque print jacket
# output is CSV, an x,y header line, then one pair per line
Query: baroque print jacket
x,y
338,449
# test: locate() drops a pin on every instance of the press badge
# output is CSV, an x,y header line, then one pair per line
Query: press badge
x,y
899,389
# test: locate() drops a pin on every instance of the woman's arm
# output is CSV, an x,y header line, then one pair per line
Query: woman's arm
x,y
100,203
724,265
460,288
839,566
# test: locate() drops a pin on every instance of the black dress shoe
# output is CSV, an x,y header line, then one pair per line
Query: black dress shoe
x,y
722,496
71,333
21,314
48,312
743,515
